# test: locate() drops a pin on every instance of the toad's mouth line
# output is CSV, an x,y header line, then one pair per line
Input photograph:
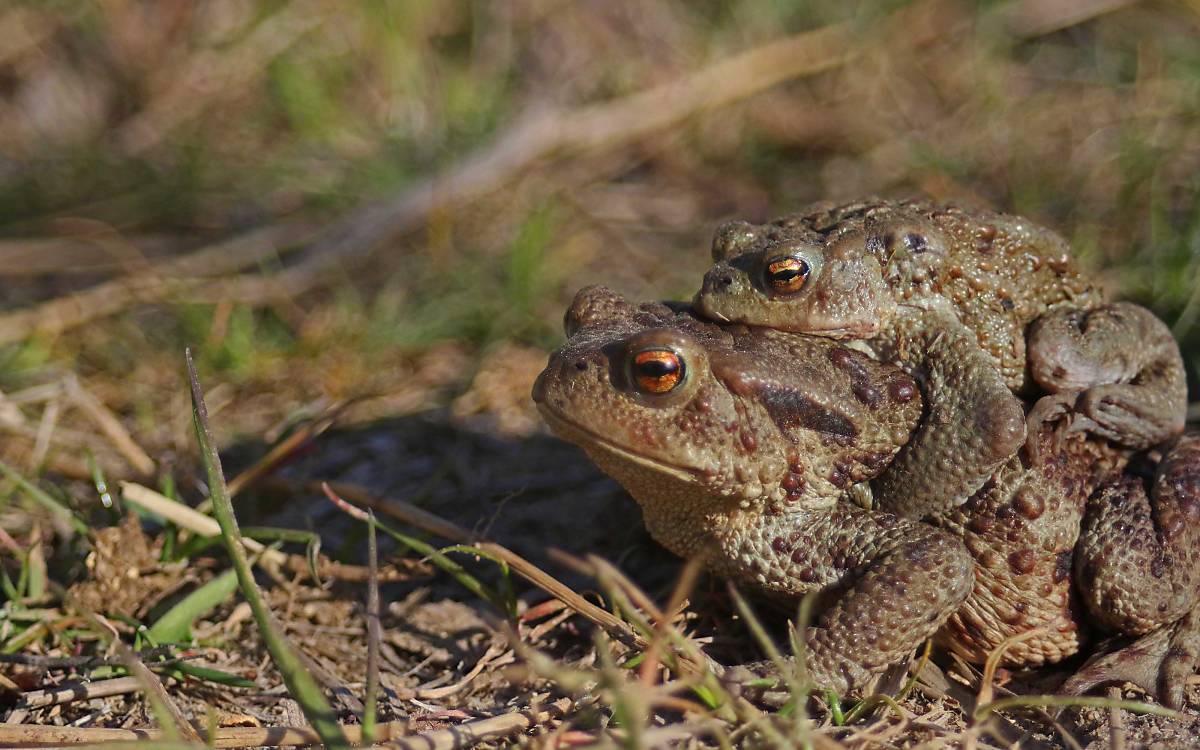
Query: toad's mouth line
x,y
564,427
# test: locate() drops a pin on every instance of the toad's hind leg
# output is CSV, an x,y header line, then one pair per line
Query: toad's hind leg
x,y
1138,570
1137,561
1115,371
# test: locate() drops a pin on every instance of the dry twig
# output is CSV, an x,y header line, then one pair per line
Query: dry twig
x,y
82,691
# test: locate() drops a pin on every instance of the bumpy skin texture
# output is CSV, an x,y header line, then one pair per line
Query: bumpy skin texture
x,y
973,425
1138,560
750,461
899,275
746,463
1021,528
1138,569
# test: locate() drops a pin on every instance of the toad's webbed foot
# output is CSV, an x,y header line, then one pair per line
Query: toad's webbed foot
x,y
1159,663
973,423
1115,371
1137,560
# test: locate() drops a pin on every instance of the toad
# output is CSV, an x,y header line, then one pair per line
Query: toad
x,y
738,445
978,306
743,447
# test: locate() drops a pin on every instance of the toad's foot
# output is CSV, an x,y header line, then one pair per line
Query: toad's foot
x,y
1048,410
762,681
1137,560
888,585
1159,663
1116,369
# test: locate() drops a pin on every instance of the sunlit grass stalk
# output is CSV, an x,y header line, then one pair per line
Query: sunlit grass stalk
x,y
374,636
704,680
629,711
300,683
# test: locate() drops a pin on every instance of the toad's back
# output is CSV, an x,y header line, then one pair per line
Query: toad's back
x,y
997,271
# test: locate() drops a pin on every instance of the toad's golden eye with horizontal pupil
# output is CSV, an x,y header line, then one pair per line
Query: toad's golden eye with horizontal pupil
x,y
657,370
787,275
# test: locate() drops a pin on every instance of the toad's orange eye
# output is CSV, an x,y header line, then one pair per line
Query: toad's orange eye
x,y
657,370
788,274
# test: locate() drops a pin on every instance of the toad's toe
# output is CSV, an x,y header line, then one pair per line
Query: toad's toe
x,y
1159,663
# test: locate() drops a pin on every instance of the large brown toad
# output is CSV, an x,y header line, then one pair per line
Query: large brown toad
x,y
977,305
741,445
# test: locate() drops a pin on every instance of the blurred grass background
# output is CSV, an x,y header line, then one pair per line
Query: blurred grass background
x,y
133,133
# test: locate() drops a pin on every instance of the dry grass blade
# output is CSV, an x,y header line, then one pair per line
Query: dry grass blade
x,y
395,734
284,449
553,135
79,253
175,724
187,518
473,732
301,684
110,425
78,692
33,735
109,298
200,524
1037,17
1116,722
992,663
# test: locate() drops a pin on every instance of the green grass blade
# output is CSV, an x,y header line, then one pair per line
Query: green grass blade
x,y
300,682
43,498
175,625
107,498
374,635
209,674
8,587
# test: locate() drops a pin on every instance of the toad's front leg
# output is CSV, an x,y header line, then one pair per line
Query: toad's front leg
x,y
1115,371
890,582
972,425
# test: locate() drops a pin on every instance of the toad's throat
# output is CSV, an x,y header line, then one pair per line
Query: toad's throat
x,y
571,430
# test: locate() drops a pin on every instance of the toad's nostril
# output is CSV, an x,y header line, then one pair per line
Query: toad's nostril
x,y
724,280
580,365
